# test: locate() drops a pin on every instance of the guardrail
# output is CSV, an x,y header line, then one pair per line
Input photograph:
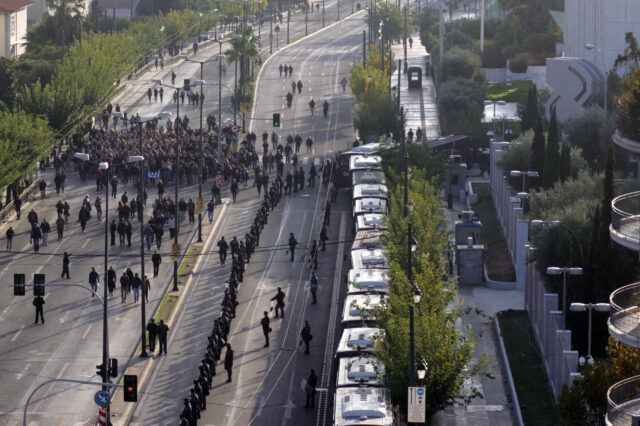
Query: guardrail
x,y
623,399
624,321
625,220
9,208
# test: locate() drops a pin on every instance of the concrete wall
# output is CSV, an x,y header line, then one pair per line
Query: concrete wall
x,y
601,23
554,342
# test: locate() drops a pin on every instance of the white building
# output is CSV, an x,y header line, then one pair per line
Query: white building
x,y
39,7
595,29
13,26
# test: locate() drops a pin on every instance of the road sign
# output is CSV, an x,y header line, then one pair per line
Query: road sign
x,y
417,407
235,129
175,251
101,398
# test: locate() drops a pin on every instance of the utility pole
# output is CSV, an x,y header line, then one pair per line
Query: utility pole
x,y
441,34
364,48
271,34
288,20
405,44
482,26
142,277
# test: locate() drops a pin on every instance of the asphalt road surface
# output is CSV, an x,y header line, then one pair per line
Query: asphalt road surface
x,y
268,382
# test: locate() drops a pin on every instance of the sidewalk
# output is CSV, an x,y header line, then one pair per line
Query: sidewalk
x,y
420,108
479,305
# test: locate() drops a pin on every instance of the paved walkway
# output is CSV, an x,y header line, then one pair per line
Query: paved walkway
x,y
419,106
479,306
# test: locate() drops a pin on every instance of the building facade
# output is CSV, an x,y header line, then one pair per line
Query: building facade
x,y
595,29
13,27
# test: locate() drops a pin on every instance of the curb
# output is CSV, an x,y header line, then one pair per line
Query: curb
x,y
262,67
127,413
505,362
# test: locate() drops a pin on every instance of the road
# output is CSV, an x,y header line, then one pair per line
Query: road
x,y
267,387
70,344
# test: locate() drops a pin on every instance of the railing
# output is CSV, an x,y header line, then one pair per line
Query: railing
x,y
8,209
623,400
625,220
624,321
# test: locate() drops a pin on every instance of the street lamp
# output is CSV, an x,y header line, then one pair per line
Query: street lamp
x,y
422,369
581,307
177,183
571,270
524,174
538,223
235,82
201,160
103,165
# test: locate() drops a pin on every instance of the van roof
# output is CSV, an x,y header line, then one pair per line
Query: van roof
x,y
368,280
365,259
368,176
359,370
359,307
367,240
363,406
366,162
357,340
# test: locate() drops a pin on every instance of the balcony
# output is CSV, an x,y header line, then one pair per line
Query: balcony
x,y
625,220
623,399
624,321
626,143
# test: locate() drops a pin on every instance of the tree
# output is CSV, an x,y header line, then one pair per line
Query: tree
x,y
552,154
591,132
565,162
458,62
630,59
374,119
392,19
528,111
585,402
7,83
538,151
629,105
368,84
459,101
447,351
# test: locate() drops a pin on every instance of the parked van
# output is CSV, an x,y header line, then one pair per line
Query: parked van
x,y
368,259
365,162
369,240
368,176
361,370
358,309
369,205
369,222
361,406
368,281
357,340
366,190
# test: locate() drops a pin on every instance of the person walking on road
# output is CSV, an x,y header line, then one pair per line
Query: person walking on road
x,y
163,330
292,246
9,234
39,302
323,237
305,336
124,287
310,389
222,250
228,361
112,229
210,207
136,284
152,328
157,260
279,298
313,287
65,265
111,280
94,280
325,108
344,84
266,329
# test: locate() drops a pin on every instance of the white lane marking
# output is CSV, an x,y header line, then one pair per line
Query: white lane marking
x,y
24,370
15,336
62,370
86,242
84,336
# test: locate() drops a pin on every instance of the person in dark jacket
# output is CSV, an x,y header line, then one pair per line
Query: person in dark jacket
x,y
39,302
65,265
228,361
305,336
111,280
156,259
279,298
310,389
112,228
163,330
292,246
152,328
266,329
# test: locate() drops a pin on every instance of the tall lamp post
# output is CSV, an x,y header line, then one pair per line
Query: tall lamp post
x,y
177,183
201,160
581,307
571,270
235,84
103,165
524,174
417,295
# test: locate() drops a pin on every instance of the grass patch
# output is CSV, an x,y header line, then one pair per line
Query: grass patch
x,y
513,91
183,264
160,314
491,232
535,397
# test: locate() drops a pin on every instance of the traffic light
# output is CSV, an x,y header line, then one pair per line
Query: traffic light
x,y
18,285
130,388
187,84
113,367
276,120
100,370
38,284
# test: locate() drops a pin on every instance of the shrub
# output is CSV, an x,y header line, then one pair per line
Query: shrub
x,y
458,62
540,43
519,63
493,56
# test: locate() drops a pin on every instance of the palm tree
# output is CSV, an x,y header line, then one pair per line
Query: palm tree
x,y
248,44
66,17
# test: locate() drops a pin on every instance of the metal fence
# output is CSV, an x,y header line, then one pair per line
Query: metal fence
x,y
625,312
553,341
625,217
24,196
623,400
